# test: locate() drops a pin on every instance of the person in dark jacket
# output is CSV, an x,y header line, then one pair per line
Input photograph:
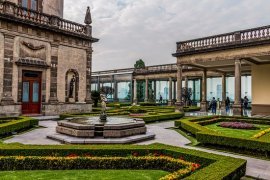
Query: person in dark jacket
x,y
227,104
214,105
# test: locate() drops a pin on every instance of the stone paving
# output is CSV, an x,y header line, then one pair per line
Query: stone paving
x,y
255,167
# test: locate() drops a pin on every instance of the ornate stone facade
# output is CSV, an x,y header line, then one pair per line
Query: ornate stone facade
x,y
33,43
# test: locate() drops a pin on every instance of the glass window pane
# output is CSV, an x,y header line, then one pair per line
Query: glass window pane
x,y
34,4
35,92
25,3
25,92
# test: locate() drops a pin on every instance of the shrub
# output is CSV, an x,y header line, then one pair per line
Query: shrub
x,y
191,108
16,124
161,117
207,136
237,125
148,104
212,166
136,109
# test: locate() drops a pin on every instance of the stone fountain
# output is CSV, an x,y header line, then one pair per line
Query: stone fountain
x,y
101,130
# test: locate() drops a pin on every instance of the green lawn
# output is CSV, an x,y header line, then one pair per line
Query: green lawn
x,y
265,137
237,132
83,174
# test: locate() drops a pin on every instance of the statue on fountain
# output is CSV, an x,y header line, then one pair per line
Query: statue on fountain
x,y
103,114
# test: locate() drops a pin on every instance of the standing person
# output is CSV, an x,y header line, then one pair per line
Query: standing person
x,y
227,104
218,105
214,105
160,99
245,102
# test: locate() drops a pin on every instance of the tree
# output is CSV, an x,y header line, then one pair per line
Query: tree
x,y
106,90
139,64
95,97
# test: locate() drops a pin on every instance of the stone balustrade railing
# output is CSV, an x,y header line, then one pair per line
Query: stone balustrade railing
x,y
234,38
157,69
28,15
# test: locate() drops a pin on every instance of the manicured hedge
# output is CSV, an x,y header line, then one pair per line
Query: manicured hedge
x,y
191,108
207,136
212,166
161,117
148,104
16,124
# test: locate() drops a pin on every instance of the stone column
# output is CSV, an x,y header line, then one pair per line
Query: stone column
x,y
54,67
223,105
174,90
88,98
135,100
170,103
179,102
98,83
7,98
237,107
115,95
204,107
146,90
155,90
186,86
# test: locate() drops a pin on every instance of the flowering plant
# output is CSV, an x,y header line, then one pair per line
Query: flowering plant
x,y
237,125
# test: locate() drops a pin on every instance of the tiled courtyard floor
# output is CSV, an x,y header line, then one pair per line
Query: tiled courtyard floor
x,y
255,167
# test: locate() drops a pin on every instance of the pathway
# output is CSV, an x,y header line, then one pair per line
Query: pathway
x,y
255,167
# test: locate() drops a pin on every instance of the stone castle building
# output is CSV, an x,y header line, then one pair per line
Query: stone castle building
x,y
45,60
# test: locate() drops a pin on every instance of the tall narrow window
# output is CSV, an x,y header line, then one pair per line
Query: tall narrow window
x,y
30,4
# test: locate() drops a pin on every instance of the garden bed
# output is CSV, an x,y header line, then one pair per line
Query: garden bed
x,y
10,125
179,162
208,131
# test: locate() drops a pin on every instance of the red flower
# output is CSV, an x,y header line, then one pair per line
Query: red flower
x,y
136,154
72,155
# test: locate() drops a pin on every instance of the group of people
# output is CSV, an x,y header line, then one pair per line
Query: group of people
x,y
216,104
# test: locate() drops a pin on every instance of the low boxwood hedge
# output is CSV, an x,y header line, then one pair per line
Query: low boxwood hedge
x,y
207,136
191,108
212,166
160,117
16,124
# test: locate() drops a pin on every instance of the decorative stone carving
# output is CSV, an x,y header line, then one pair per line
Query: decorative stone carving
x,y
30,50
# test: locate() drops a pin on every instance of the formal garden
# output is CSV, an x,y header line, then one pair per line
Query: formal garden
x,y
155,161
244,135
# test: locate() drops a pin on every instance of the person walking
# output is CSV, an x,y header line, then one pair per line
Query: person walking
x,y
214,106
227,104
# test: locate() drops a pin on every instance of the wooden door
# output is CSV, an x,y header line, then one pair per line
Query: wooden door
x,y
31,92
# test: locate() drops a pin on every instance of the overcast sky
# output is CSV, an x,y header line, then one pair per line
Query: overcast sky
x,y
148,29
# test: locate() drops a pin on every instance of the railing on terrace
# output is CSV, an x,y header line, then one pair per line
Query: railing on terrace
x,y
11,9
234,38
157,69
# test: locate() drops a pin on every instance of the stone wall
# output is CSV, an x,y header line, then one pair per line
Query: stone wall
x,y
53,7
71,58
10,110
18,52
51,110
1,63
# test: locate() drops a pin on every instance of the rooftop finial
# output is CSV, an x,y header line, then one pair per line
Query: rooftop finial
x,y
88,19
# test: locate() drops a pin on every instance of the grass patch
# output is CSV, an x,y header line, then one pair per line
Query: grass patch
x,y
241,133
84,174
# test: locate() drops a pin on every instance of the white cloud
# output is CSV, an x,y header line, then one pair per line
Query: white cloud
x,y
132,29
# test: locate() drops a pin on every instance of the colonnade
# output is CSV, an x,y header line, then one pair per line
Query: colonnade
x,y
237,108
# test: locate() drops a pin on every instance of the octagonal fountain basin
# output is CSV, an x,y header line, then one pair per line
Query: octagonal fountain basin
x,y
90,130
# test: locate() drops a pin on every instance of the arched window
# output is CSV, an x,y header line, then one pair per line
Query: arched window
x,y
30,4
